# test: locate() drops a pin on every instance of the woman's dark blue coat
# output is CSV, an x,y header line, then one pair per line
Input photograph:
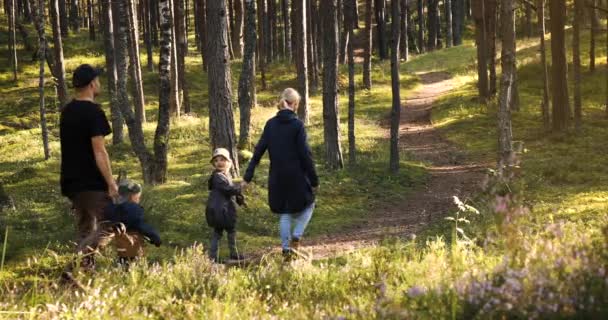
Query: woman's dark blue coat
x,y
292,171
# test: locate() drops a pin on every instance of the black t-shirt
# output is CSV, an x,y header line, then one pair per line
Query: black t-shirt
x,y
80,121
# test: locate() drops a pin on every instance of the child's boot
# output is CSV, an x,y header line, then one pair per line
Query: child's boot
x,y
215,244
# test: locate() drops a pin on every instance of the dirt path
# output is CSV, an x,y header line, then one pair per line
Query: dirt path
x,y
451,174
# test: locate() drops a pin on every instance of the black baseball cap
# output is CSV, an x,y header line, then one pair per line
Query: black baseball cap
x,y
84,74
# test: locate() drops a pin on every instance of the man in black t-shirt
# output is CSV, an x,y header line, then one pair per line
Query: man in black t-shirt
x,y
86,174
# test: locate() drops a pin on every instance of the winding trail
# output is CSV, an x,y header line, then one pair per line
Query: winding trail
x,y
451,174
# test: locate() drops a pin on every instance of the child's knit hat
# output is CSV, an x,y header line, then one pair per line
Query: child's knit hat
x,y
221,152
127,187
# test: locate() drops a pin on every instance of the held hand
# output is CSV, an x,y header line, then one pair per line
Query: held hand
x,y
244,185
315,190
113,190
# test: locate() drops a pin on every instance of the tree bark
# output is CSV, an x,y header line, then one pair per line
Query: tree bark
x,y
432,11
175,101
350,10
482,51
594,27
490,19
182,51
528,17
62,92
287,27
380,9
261,55
115,115
148,34
576,61
134,57
237,32
246,90
331,125
505,136
63,18
12,38
457,21
545,106
74,15
404,46
448,22
202,29
344,35
161,136
559,68
92,35
313,74
38,12
420,8
367,46
221,121
395,86
301,55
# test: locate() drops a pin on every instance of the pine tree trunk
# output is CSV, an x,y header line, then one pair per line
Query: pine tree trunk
x,y
221,121
395,86
448,23
482,51
344,34
411,30
456,22
528,19
38,12
380,9
182,51
92,35
559,68
261,45
267,32
356,17
287,27
301,55
505,136
545,106
62,92
134,57
403,42
237,32
594,27
350,10
367,46
116,116
12,38
148,34
247,77
161,136
313,74
75,15
490,19
420,8
576,61
202,30
63,18
432,11
331,125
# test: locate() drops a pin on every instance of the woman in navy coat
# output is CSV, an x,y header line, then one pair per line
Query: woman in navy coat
x,y
292,180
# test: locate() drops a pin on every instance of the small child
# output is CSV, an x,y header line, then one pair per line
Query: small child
x,y
221,208
128,212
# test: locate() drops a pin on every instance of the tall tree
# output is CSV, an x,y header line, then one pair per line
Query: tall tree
x,y
404,27
447,4
490,20
247,79
559,68
62,92
313,74
528,17
545,106
287,28
148,8
594,27
380,9
268,31
349,14
261,56
74,15
344,39
237,31
331,124
299,33
91,22
202,29
63,17
182,52
576,60
432,24
396,107
108,40
134,57
457,21
482,51
367,46
221,120
505,136
12,37
420,9
39,23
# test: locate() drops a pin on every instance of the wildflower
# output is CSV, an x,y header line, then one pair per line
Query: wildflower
x,y
415,291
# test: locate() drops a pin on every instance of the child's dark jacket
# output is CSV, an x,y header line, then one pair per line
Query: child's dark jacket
x,y
221,204
132,216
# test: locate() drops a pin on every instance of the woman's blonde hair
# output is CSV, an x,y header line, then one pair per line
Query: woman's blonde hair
x,y
289,97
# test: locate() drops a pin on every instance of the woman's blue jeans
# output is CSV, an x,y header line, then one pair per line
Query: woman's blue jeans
x,y
299,220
